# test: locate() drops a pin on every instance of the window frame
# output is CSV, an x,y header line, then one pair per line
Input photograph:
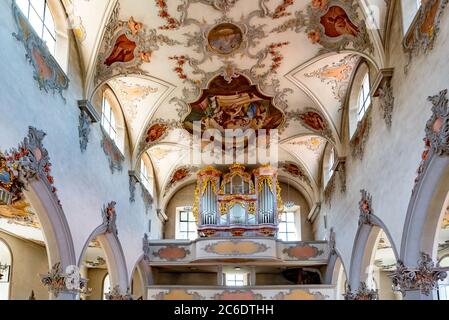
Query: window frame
x,y
106,120
296,226
243,280
43,22
145,177
364,99
190,219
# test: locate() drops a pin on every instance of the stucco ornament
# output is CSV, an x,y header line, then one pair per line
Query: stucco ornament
x,y
437,134
113,153
365,207
31,160
126,46
421,36
362,293
47,71
109,216
334,24
332,243
84,130
386,102
65,282
423,278
116,294
437,128
361,135
146,247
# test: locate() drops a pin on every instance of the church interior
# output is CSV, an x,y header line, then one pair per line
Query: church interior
x,y
134,138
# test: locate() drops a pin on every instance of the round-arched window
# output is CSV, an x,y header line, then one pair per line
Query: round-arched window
x,y
41,19
5,270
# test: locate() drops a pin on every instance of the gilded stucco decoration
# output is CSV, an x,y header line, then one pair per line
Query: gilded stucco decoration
x,y
30,161
178,175
126,46
113,153
366,208
360,138
116,294
295,170
334,24
156,131
436,140
362,293
337,75
109,216
421,36
47,71
312,119
424,278
59,282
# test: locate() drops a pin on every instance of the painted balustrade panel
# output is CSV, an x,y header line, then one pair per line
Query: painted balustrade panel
x,y
264,249
314,251
317,292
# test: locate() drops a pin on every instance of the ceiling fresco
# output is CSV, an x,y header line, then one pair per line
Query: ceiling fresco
x,y
283,64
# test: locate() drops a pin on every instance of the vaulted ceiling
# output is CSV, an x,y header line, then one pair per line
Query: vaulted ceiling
x,y
158,56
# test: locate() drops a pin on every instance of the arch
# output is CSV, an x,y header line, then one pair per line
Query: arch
x,y
363,249
425,210
115,258
55,228
9,261
144,273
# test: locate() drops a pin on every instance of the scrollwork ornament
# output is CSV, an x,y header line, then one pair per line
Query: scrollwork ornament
x,y
362,293
424,278
386,101
437,128
365,207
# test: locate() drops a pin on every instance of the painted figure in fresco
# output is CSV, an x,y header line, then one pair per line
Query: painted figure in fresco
x,y
244,110
336,23
155,132
123,51
313,120
179,175
225,38
293,170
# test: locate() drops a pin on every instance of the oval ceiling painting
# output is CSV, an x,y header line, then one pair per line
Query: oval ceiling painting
x,y
225,38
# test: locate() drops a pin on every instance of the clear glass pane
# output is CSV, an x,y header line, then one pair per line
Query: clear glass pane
x,y
183,226
36,22
282,236
291,227
183,216
49,23
39,7
191,216
290,217
192,226
49,41
23,5
282,227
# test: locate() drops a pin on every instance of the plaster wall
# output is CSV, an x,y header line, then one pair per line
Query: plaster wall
x,y
84,180
29,260
391,156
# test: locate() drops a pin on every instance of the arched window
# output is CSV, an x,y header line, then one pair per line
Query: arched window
x,y
145,175
108,119
106,286
360,97
41,20
364,99
5,270
329,159
409,10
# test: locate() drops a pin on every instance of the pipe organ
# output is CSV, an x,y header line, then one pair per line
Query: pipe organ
x,y
237,203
